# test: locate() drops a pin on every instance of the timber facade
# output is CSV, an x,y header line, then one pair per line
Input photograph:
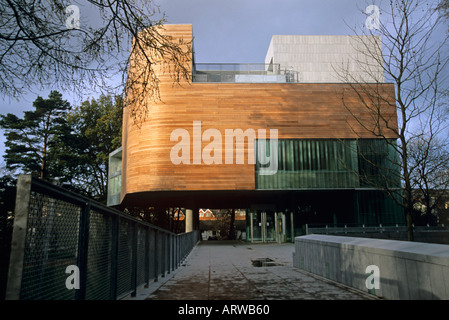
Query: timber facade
x,y
199,145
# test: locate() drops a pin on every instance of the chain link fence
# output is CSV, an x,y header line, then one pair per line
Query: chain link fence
x,y
68,247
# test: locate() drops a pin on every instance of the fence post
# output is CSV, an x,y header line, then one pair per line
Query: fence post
x,y
134,261
173,238
175,251
167,250
167,254
114,257
18,237
172,253
156,255
172,256
147,257
163,255
178,252
83,245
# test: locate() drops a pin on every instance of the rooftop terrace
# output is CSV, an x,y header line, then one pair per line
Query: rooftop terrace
x,y
243,73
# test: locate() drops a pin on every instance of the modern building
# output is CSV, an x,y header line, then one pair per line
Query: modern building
x,y
285,140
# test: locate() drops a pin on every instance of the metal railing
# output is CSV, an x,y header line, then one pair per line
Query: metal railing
x,y
66,246
243,72
243,68
357,228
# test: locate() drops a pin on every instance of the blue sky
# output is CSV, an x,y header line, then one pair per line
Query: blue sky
x,y
237,31
241,30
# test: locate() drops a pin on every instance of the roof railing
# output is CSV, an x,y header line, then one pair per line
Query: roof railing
x,y
243,72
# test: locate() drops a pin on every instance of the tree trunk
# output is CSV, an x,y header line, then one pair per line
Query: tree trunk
x,y
232,226
408,217
44,166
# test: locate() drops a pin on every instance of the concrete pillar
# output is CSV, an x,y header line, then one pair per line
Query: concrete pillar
x,y
292,227
189,220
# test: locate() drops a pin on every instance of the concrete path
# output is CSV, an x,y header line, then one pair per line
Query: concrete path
x,y
240,271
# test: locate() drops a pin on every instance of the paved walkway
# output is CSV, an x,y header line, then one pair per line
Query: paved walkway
x,y
236,271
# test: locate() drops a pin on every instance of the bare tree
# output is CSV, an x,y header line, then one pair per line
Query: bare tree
x,y
430,179
55,44
414,59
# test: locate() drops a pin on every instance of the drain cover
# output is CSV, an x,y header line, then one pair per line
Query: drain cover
x,y
263,262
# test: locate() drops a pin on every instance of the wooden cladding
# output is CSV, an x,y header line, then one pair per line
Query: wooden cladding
x,y
295,110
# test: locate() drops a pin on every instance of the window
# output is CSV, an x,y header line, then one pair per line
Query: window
x,y
330,164
312,164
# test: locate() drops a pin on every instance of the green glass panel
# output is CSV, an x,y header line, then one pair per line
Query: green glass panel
x,y
375,207
329,164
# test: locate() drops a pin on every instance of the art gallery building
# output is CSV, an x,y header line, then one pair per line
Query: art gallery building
x,y
286,140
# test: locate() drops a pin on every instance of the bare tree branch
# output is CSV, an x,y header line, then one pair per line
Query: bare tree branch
x,y
417,64
38,48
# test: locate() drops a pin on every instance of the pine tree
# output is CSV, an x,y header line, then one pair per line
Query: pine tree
x,y
29,140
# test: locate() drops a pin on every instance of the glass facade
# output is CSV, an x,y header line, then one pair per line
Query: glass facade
x,y
334,182
330,164
378,164
114,177
317,183
374,207
312,164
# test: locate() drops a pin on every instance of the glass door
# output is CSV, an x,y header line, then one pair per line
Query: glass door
x,y
263,226
270,226
256,226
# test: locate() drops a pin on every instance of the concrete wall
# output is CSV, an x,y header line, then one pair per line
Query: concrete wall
x,y
434,236
328,58
407,270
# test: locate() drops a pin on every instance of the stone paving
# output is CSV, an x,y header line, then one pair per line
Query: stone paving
x,y
233,271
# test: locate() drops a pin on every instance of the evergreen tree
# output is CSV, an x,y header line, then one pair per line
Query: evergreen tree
x,y
29,140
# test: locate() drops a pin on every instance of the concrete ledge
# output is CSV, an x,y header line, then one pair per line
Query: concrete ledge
x,y
407,270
